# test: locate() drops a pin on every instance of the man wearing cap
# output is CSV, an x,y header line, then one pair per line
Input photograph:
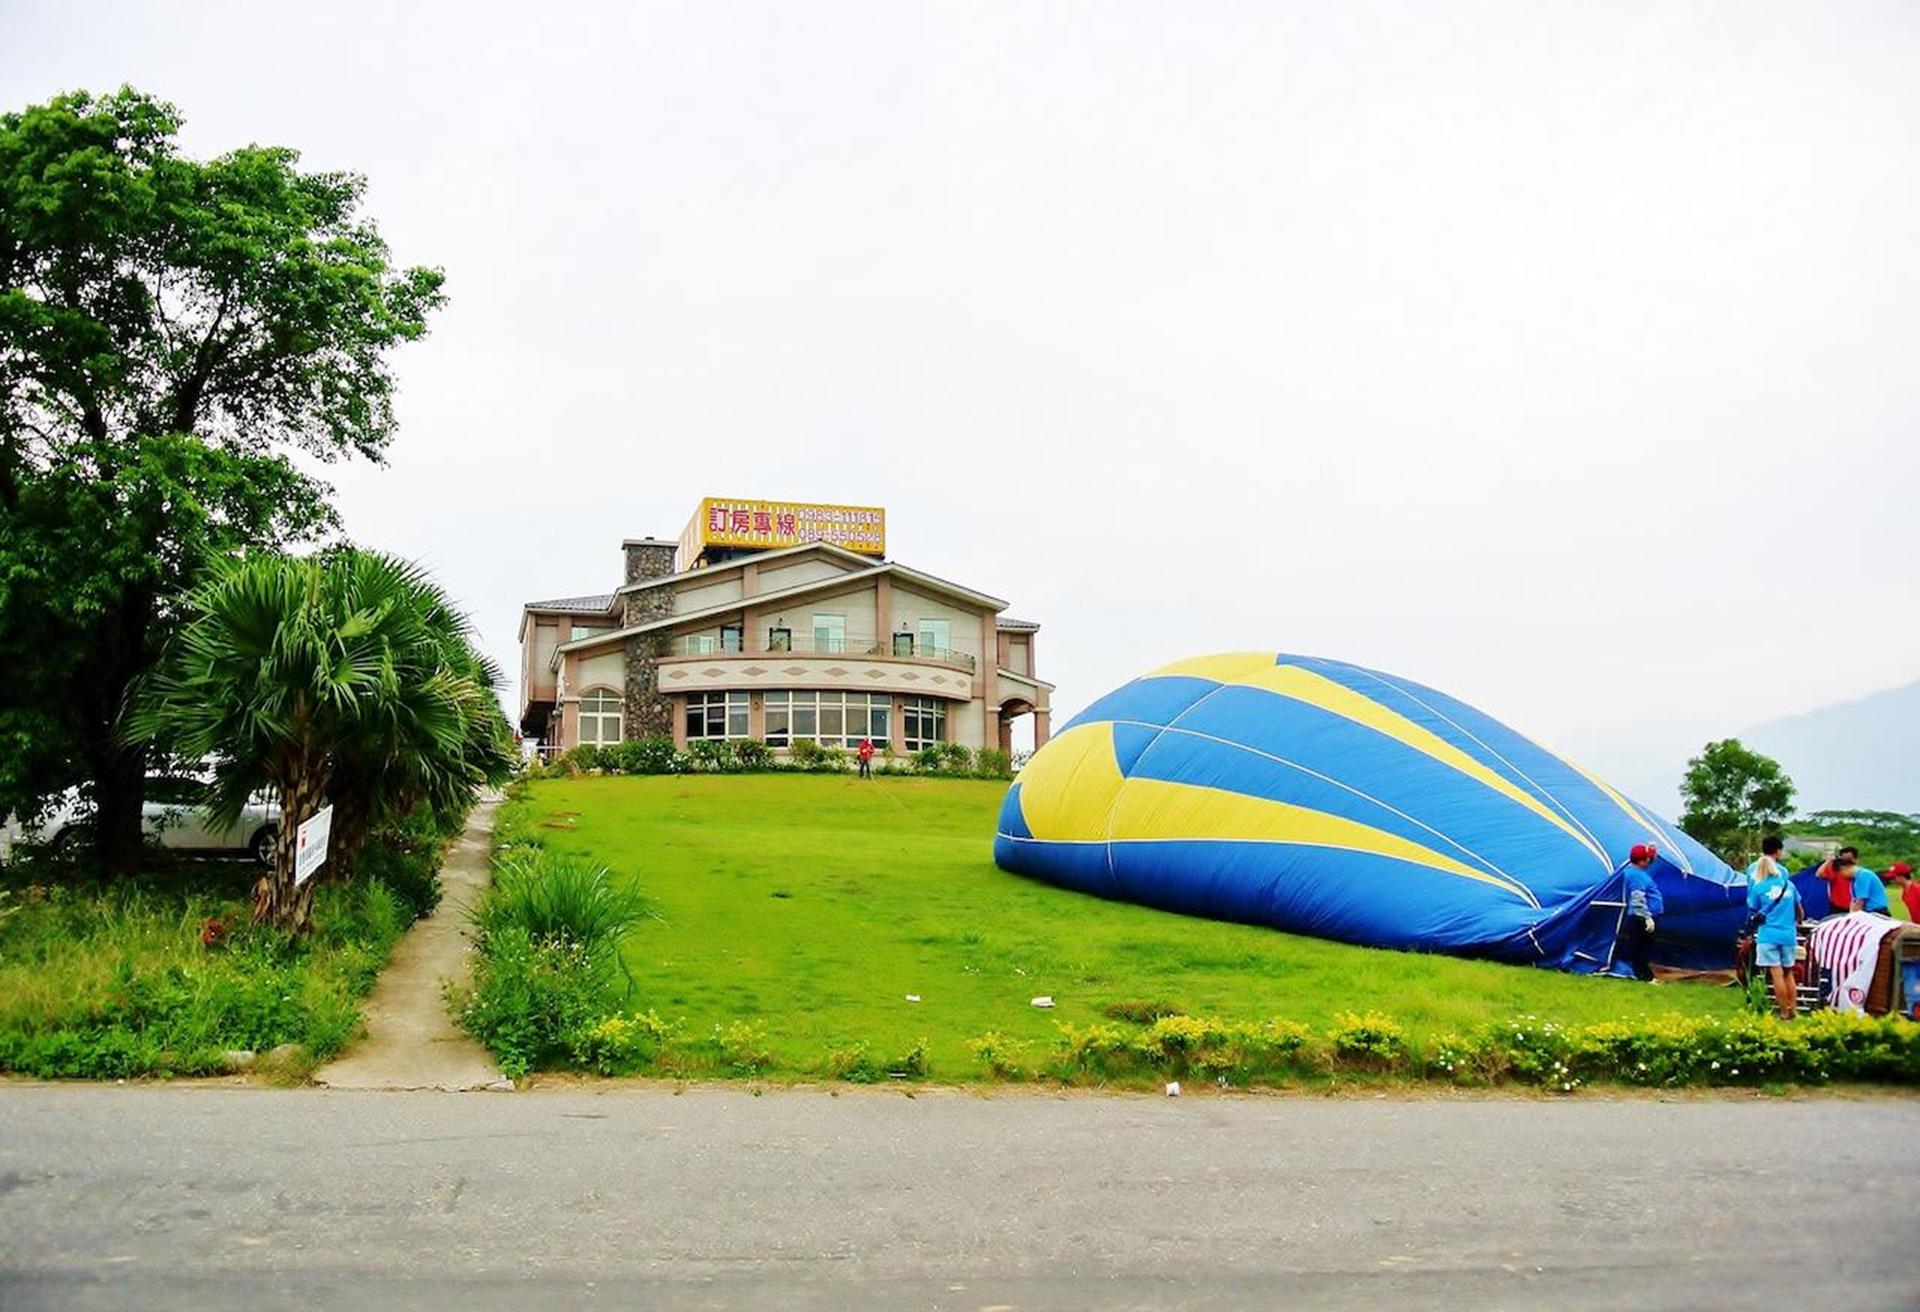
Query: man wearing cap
x,y
1900,875
1643,904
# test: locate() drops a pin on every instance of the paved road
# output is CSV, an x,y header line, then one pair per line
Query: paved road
x,y
159,1198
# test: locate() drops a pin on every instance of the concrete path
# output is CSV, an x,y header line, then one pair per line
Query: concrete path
x,y
412,1043
206,1199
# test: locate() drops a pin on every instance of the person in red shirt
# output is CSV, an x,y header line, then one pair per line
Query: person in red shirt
x,y
1837,871
865,754
1900,874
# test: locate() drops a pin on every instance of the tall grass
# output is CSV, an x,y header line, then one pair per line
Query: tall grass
x,y
550,969
560,899
117,983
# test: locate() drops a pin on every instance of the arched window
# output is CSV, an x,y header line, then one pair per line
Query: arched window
x,y
600,717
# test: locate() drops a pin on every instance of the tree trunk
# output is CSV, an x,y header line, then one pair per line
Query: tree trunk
x,y
352,815
119,791
277,899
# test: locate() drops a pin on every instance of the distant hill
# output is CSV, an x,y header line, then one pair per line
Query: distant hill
x,y
1863,753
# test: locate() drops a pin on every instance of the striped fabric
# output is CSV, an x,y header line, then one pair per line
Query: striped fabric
x,y
1848,951
1322,797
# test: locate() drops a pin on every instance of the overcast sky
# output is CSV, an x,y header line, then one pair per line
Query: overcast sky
x,y
1559,356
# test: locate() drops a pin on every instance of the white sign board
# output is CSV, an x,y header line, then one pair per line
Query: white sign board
x,y
310,846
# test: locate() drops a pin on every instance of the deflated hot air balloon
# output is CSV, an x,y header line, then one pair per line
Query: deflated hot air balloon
x,y
1327,799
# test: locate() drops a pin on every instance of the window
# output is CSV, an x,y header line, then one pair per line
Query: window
x,y
903,644
699,644
926,722
829,633
730,635
717,715
832,719
779,639
600,717
936,638
579,631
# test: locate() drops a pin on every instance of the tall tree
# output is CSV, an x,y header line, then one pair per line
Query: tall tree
x,y
1734,797
171,330
345,675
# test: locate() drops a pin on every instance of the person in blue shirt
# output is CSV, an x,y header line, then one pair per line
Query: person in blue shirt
x,y
1771,894
1643,904
1869,893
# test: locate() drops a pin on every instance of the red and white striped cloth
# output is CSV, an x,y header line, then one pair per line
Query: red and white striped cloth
x,y
1849,947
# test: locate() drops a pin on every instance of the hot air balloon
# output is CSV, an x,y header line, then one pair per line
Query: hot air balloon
x,y
1323,798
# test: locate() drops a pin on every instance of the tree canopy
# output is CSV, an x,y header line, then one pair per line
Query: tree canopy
x,y
1734,797
347,675
171,329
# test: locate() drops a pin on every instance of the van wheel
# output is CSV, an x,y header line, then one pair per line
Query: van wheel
x,y
261,848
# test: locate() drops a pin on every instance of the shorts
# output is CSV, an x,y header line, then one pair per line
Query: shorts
x,y
1773,954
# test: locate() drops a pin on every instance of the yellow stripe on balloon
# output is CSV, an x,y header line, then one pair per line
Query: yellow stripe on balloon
x,y
1073,792
1157,810
1633,812
1257,670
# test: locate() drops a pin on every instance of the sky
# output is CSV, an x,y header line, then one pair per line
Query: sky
x,y
1559,356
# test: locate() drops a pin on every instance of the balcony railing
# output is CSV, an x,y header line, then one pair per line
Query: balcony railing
x,y
899,646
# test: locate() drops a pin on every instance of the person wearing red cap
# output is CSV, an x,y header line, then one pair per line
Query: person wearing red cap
x,y
1643,904
1900,874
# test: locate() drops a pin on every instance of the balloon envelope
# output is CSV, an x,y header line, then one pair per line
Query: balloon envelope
x,y
1324,798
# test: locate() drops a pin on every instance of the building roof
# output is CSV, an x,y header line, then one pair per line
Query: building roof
x,y
755,558
598,603
778,594
1006,623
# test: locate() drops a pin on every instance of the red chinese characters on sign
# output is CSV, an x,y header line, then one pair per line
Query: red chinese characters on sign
x,y
716,519
789,525
763,521
742,521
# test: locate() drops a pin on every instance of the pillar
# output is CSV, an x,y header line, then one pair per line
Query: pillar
x,y
1040,719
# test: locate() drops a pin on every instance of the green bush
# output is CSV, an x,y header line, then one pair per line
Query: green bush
x,y
622,1043
993,763
806,754
1003,1058
1368,1042
646,756
956,758
587,756
716,755
533,1002
405,856
929,759
742,1047
855,1064
753,754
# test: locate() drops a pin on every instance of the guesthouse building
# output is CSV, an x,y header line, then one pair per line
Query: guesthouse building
x,y
778,621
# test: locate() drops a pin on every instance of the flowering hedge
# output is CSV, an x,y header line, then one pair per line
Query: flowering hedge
x,y
1664,1052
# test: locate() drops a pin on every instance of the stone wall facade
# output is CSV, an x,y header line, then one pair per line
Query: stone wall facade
x,y
648,712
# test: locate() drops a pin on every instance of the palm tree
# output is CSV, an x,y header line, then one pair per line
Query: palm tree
x,y
346,673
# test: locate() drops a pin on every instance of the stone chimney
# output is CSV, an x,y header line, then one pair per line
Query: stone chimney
x,y
648,558
648,712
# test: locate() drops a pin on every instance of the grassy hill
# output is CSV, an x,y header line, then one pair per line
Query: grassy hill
x,y
810,907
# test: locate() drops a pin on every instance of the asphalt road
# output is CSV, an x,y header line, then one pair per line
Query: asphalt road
x,y
211,1197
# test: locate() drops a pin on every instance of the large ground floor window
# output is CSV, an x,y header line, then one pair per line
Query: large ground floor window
x,y
832,719
717,715
926,722
600,717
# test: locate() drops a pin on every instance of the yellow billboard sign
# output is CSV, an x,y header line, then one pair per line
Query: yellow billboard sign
x,y
770,525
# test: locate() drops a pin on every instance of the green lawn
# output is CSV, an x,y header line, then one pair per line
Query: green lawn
x,y
811,906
